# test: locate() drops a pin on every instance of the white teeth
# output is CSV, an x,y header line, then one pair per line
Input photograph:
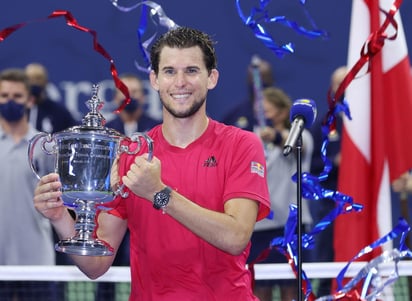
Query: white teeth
x,y
180,96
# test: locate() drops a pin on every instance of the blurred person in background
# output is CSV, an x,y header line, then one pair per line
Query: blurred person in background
x,y
134,117
26,236
282,190
46,115
403,184
243,115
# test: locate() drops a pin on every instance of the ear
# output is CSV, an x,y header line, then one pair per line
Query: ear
x,y
213,78
153,80
30,102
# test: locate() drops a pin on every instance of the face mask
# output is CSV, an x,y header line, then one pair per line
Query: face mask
x,y
12,111
132,106
36,90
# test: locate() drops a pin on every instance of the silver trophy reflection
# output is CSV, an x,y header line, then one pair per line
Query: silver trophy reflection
x,y
84,156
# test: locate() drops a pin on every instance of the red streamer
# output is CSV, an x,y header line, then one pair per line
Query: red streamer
x,y
372,46
71,21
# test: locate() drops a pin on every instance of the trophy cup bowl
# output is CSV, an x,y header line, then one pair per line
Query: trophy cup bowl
x,y
83,158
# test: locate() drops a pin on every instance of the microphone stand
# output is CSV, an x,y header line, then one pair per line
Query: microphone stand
x,y
299,210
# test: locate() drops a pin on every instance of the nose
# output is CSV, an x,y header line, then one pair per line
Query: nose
x,y
180,79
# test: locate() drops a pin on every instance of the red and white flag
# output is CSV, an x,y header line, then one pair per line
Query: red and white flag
x,y
377,142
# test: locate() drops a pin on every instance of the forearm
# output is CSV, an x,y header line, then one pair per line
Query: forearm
x,y
229,231
92,266
64,226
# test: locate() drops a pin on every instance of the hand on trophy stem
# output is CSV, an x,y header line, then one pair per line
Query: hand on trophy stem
x,y
143,177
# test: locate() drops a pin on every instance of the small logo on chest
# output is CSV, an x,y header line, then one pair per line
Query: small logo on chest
x,y
210,162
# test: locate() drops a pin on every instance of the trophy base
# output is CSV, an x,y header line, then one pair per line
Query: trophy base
x,y
84,247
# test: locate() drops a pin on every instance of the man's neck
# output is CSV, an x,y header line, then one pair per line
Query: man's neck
x,y
181,132
17,130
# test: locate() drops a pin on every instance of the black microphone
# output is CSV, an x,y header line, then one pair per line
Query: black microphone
x,y
302,115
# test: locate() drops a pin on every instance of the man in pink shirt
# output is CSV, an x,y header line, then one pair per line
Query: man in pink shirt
x,y
191,209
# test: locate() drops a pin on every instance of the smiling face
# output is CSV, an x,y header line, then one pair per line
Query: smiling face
x,y
183,81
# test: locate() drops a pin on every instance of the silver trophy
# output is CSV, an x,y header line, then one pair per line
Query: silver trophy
x,y
83,158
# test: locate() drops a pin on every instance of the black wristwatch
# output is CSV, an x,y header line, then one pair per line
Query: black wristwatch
x,y
161,198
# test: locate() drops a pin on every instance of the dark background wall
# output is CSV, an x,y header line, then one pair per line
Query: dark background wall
x,y
74,65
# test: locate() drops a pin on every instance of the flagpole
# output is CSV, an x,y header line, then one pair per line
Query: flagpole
x,y
299,211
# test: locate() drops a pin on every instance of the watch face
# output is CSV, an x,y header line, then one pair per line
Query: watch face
x,y
161,199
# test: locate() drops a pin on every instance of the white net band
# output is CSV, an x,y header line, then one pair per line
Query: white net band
x,y
262,271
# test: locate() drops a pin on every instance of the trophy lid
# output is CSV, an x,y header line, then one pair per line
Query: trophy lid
x,y
93,121
94,118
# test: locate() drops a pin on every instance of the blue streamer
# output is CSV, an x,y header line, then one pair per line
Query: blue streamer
x,y
340,107
311,184
149,10
402,228
287,245
260,15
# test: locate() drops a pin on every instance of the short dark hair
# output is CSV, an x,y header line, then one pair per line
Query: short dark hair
x,y
184,37
15,75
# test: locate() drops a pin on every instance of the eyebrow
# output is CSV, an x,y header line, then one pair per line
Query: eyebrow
x,y
185,68
13,94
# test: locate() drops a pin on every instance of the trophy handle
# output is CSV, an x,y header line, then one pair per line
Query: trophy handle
x,y
47,138
135,137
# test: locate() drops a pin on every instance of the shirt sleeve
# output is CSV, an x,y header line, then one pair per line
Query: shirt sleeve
x,y
247,172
